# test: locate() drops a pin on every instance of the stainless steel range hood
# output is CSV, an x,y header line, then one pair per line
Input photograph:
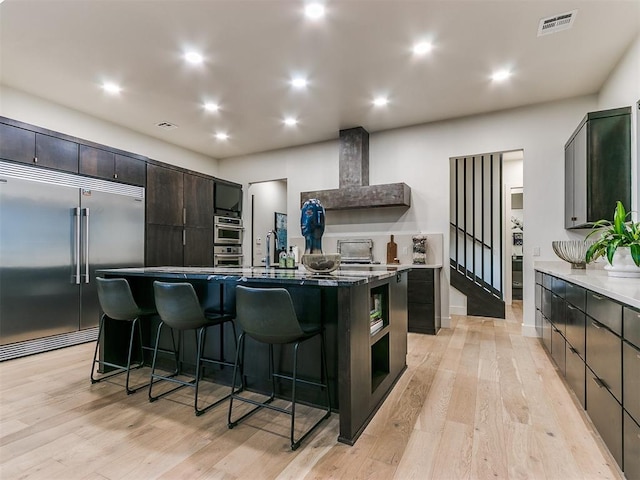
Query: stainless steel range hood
x,y
355,191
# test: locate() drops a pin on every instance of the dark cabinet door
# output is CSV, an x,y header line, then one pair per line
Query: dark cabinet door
x,y
606,414
130,170
96,162
631,379
56,153
423,297
631,448
163,246
198,201
17,144
604,356
198,247
164,196
575,373
576,329
598,158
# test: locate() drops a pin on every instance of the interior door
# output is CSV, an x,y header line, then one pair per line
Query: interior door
x,y
38,293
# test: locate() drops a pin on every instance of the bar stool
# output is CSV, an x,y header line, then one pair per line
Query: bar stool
x,y
267,315
117,303
179,309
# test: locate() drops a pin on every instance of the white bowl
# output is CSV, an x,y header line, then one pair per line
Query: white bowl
x,y
321,262
572,251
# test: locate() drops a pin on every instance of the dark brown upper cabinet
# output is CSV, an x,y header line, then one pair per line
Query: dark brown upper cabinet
x,y
17,144
598,167
112,166
26,146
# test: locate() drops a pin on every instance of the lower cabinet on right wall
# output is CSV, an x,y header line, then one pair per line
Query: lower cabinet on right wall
x,y
595,343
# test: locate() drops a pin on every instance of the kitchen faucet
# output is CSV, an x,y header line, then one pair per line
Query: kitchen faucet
x,y
267,260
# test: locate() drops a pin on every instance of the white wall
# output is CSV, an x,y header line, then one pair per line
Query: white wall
x,y
419,156
268,198
42,113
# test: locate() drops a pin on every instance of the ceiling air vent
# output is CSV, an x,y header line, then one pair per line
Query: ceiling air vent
x,y
166,125
556,23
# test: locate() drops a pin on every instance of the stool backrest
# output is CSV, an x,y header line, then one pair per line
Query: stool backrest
x,y
116,299
267,314
178,305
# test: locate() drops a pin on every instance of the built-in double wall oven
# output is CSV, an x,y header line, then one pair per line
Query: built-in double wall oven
x,y
227,239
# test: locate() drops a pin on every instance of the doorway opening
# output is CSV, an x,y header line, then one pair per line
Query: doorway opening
x,y
266,199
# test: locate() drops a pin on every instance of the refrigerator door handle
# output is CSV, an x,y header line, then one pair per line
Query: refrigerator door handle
x,y
76,214
86,245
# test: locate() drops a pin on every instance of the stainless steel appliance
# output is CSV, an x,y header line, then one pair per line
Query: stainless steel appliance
x,y
356,250
227,230
56,229
227,255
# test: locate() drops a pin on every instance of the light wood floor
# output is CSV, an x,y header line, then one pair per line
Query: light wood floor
x,y
476,401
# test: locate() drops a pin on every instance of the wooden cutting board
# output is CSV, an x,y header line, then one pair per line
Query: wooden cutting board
x,y
392,251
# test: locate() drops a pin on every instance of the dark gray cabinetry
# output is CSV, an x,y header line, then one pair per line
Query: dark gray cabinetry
x,y
598,167
605,413
601,361
179,218
112,166
631,445
423,300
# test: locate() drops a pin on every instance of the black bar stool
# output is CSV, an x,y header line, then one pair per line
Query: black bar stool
x,y
267,315
117,303
179,309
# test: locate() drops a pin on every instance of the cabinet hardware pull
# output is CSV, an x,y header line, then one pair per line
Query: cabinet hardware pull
x,y
596,325
573,219
184,237
184,216
35,159
571,307
598,382
115,175
597,297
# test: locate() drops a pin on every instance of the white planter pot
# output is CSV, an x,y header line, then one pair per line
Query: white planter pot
x,y
623,265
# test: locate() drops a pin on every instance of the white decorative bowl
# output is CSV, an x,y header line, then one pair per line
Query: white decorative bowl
x,y
321,262
572,251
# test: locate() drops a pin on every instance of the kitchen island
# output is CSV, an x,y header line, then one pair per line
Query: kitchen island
x,y
364,361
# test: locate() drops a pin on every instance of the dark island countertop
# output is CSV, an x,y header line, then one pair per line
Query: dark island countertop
x,y
346,275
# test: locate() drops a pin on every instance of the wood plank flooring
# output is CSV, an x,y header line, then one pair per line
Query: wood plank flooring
x,y
477,401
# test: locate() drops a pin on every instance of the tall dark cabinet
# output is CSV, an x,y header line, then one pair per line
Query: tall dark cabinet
x,y
598,167
423,300
179,218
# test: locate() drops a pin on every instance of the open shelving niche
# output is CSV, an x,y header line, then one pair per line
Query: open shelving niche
x,y
379,339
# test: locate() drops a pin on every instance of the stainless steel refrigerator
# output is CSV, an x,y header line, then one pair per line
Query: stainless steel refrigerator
x,y
56,229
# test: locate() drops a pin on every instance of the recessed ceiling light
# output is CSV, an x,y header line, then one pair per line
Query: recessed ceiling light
x,y
299,82
221,136
422,48
290,121
211,107
193,57
500,75
112,88
380,101
314,10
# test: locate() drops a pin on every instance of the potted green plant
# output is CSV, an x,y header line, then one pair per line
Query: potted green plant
x,y
619,242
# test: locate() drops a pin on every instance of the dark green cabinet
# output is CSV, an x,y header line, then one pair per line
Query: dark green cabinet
x,y
598,167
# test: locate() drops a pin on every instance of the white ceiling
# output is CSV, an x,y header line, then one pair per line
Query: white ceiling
x,y
63,50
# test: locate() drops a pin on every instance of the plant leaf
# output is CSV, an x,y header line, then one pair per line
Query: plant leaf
x,y
635,253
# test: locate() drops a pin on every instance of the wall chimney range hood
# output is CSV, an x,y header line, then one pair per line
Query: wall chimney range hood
x,y
354,190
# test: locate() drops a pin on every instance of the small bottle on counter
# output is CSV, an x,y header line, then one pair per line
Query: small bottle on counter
x,y
291,259
282,259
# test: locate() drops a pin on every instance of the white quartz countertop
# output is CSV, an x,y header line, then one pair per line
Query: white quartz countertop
x,y
624,290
